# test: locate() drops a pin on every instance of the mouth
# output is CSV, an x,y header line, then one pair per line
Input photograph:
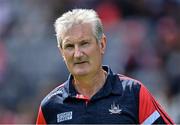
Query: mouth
x,y
82,62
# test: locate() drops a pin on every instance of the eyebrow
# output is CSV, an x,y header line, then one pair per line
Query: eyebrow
x,y
67,40
85,40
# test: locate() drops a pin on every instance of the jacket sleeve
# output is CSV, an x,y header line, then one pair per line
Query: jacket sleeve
x,y
40,117
150,112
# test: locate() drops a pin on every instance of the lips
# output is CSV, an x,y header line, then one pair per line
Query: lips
x,y
81,62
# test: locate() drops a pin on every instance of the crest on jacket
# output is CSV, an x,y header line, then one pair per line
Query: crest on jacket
x,y
115,109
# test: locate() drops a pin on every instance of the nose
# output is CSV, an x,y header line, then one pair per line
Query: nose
x,y
77,53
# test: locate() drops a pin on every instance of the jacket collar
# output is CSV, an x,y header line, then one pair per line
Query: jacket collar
x,y
112,85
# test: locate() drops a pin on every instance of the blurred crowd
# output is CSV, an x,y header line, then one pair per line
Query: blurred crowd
x,y
143,42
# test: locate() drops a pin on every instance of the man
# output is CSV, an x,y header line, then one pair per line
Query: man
x,y
93,93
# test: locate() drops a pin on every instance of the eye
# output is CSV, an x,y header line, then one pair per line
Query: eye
x,y
85,43
68,46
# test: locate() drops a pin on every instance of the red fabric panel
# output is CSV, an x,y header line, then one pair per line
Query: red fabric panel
x,y
40,118
146,106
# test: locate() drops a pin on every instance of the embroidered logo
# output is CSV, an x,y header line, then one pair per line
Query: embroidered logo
x,y
64,116
115,109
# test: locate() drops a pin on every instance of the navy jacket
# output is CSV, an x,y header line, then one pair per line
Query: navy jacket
x,y
120,100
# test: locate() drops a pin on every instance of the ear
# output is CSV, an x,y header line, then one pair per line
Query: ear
x,y
103,44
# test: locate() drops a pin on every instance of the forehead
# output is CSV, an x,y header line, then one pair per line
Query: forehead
x,y
78,32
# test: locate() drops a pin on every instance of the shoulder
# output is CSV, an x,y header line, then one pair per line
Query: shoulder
x,y
129,83
59,93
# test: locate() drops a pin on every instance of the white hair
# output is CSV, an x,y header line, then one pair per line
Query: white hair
x,y
78,16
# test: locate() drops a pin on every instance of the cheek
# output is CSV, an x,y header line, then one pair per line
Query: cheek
x,y
67,58
96,55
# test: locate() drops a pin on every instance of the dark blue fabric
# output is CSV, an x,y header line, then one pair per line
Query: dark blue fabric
x,y
122,94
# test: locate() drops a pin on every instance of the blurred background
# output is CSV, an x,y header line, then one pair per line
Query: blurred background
x,y
143,38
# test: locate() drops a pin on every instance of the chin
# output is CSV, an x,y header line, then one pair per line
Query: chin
x,y
80,72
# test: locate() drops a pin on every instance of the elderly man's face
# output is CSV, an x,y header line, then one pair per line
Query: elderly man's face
x,y
80,50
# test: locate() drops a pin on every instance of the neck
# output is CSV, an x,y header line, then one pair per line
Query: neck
x,y
90,85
